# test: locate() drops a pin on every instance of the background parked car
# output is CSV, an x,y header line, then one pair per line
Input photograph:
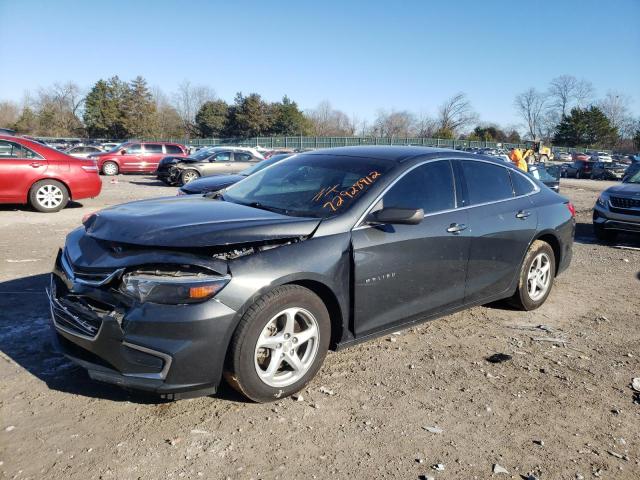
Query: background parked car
x,y
42,176
83,151
631,171
136,157
218,160
578,169
215,183
607,171
549,175
580,156
601,157
563,157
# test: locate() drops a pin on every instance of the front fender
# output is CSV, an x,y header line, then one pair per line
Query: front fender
x,y
324,260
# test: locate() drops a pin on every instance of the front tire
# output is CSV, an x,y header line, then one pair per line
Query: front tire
x,y
536,277
189,176
279,345
110,168
48,196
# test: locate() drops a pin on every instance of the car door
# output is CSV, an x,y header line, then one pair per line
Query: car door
x,y
501,226
131,158
222,162
153,152
405,270
20,167
242,161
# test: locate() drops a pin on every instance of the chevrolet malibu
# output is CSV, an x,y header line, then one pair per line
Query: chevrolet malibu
x,y
319,251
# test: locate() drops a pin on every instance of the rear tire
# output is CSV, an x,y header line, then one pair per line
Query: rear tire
x,y
603,235
536,277
48,196
264,374
110,168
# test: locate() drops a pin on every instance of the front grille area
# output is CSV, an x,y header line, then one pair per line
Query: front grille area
x,y
74,317
624,202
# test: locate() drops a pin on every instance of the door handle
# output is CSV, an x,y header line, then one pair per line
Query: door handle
x,y
522,214
36,164
456,228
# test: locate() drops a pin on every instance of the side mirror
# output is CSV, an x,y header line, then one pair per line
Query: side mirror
x,y
397,216
123,152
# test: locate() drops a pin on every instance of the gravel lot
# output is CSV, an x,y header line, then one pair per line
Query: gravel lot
x,y
553,411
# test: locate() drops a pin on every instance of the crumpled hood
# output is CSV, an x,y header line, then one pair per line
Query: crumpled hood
x,y
193,222
626,190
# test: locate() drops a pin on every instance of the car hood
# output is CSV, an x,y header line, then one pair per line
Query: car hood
x,y
626,190
212,183
193,221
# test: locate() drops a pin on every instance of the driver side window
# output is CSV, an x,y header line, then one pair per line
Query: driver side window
x,y
429,186
221,157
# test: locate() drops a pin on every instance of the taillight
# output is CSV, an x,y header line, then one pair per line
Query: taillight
x,y
571,208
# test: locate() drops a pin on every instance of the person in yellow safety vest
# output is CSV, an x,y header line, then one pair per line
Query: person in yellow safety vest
x,y
516,158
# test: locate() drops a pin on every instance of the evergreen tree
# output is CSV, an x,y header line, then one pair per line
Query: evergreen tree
x,y
213,118
138,109
250,116
589,128
287,119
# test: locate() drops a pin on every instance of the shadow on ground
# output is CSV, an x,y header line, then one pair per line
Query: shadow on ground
x,y
26,338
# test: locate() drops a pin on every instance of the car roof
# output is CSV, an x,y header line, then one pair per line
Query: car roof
x,y
399,153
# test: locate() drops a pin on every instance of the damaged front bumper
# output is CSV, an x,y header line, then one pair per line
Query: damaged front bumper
x,y
173,350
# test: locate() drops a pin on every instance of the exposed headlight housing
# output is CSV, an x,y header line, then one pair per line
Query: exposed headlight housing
x,y
603,200
172,289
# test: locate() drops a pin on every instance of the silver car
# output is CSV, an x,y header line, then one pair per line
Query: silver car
x,y
82,151
217,160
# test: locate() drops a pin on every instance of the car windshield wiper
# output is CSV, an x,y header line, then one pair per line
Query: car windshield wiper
x,y
217,195
259,205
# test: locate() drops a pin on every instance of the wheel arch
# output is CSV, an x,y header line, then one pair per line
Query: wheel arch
x,y
552,239
59,180
330,300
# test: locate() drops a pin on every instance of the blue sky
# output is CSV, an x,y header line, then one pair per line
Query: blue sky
x,y
360,55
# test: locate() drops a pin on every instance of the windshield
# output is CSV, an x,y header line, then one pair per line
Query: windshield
x,y
201,154
263,164
634,178
309,185
118,147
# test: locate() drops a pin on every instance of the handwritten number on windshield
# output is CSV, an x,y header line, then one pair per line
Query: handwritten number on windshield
x,y
337,198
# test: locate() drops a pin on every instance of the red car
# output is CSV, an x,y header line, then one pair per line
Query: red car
x,y
137,157
43,177
580,156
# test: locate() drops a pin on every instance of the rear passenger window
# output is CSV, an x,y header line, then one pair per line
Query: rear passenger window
x,y
521,186
153,148
486,182
242,157
134,149
429,187
173,149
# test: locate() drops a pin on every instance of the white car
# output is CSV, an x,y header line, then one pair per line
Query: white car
x,y
601,157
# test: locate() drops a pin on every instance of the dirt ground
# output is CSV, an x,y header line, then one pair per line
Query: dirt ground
x,y
552,411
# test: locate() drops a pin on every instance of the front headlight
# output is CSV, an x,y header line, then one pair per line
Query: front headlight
x,y
172,289
603,200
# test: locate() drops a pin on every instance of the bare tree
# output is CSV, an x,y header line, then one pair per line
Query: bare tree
x,y
325,121
9,113
615,105
456,114
531,107
188,100
425,126
393,124
567,91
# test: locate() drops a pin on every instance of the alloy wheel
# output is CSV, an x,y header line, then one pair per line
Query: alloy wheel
x,y
110,168
49,196
189,176
287,347
539,276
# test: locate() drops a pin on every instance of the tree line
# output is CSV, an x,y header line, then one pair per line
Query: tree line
x,y
566,113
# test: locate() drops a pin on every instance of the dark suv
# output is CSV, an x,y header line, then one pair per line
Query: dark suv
x,y
618,209
607,171
578,169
